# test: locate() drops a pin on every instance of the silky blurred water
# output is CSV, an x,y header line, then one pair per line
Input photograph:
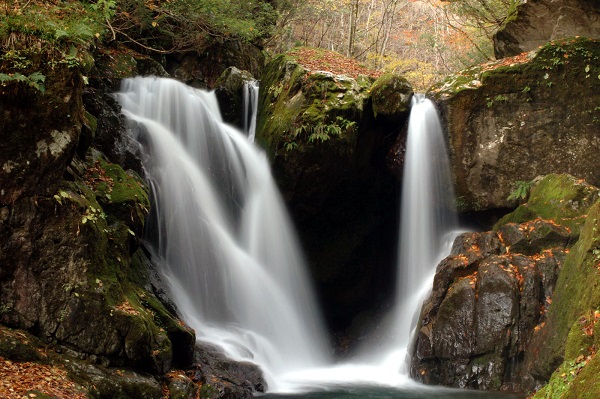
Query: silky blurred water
x,y
229,250
415,392
232,260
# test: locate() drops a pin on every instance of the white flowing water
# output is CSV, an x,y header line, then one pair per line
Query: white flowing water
x,y
232,259
428,224
233,263
250,108
428,221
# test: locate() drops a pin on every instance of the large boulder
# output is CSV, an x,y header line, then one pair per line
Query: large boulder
x,y
515,119
73,208
328,155
536,22
230,94
203,69
35,155
488,320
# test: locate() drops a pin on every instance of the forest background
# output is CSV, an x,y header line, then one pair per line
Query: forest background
x,y
424,40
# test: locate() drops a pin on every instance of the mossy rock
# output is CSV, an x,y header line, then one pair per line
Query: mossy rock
x,y
19,346
390,96
514,119
303,108
561,198
85,283
328,158
577,376
577,294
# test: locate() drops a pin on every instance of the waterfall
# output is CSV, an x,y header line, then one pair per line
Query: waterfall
x,y
427,219
427,229
250,108
232,259
426,233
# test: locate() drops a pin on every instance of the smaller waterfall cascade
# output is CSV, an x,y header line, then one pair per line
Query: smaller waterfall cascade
x,y
232,259
426,233
428,220
427,229
250,107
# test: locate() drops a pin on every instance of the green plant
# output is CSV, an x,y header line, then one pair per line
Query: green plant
x,y
323,132
61,194
35,80
92,214
290,145
107,8
521,190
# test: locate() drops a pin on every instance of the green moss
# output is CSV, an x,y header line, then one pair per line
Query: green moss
x,y
577,376
557,197
586,384
577,293
301,109
468,79
550,71
579,340
390,96
561,381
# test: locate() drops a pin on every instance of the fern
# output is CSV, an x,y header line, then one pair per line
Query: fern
x,y
35,80
521,190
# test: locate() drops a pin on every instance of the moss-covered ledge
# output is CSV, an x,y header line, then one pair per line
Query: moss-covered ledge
x,y
517,118
328,152
567,344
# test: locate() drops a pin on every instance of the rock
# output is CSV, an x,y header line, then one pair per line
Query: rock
x,y
230,93
71,278
534,23
19,346
562,199
34,156
104,383
453,329
328,158
181,387
488,320
203,70
515,119
110,124
391,95
225,378
533,237
575,299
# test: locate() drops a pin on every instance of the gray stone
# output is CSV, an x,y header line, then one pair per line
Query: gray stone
x,y
539,21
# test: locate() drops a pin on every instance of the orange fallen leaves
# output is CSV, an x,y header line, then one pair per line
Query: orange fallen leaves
x,y
19,379
323,60
126,307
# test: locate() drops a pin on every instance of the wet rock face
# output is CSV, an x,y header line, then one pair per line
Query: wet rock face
x,y
537,22
107,126
482,314
484,323
70,226
34,158
516,119
68,274
328,156
229,91
203,70
223,378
